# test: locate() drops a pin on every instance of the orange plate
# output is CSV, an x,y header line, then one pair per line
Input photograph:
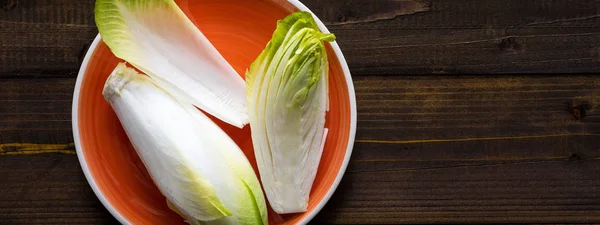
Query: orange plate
x,y
239,29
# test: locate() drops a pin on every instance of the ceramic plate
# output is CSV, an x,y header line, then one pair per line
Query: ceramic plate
x,y
239,29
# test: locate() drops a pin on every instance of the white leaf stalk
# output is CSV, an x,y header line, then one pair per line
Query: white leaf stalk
x,y
156,37
204,175
287,91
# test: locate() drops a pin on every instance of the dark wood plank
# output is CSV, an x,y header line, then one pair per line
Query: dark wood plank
x,y
44,38
47,38
36,110
467,36
471,149
47,189
496,190
428,149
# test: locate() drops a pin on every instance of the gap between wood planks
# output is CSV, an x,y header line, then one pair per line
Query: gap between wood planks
x,y
30,148
472,139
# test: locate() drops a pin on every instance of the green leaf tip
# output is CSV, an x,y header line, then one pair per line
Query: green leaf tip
x,y
298,26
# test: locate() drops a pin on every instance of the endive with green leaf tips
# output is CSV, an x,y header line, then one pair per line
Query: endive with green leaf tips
x,y
156,37
287,91
201,171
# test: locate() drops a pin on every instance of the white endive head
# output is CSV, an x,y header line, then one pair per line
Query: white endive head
x,y
287,101
156,37
203,174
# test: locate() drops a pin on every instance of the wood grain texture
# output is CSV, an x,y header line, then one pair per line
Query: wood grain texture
x,y
471,37
44,38
429,149
437,147
47,38
47,189
499,149
36,110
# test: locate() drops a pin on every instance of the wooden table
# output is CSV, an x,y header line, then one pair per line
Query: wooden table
x,y
469,111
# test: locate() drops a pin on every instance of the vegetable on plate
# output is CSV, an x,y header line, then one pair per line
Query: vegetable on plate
x,y
201,171
156,37
287,91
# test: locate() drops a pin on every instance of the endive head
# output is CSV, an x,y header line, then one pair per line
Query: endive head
x,y
200,170
287,94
